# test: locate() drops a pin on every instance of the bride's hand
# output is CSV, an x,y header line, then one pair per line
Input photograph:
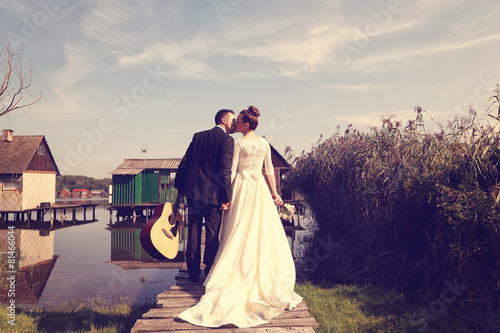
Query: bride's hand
x,y
277,200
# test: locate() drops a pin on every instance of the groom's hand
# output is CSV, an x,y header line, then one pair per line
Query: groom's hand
x,y
225,206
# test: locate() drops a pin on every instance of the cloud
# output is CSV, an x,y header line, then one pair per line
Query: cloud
x,y
263,54
163,104
64,81
370,119
360,87
297,51
403,56
109,22
187,59
426,29
19,8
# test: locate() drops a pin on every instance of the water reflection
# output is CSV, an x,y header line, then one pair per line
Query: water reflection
x,y
28,260
80,260
126,248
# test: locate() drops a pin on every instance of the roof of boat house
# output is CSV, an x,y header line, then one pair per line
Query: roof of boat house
x,y
133,166
20,155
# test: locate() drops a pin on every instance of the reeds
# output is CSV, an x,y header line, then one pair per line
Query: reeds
x,y
409,207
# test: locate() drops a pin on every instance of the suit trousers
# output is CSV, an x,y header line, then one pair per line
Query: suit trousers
x,y
197,211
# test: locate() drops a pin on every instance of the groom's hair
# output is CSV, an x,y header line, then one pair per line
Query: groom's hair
x,y
221,114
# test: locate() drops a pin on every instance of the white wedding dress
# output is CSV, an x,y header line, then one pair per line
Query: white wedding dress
x,y
253,276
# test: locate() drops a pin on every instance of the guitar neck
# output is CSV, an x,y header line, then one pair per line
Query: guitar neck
x,y
176,204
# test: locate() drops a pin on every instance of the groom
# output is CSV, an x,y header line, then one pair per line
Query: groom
x,y
204,178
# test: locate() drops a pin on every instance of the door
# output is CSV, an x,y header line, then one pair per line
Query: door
x,y
151,191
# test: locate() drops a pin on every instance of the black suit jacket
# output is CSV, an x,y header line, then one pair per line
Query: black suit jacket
x,y
204,173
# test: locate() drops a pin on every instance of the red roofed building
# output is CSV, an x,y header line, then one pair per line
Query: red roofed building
x,y
81,193
65,194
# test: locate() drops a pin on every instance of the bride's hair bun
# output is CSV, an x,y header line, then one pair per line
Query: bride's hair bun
x,y
253,111
250,116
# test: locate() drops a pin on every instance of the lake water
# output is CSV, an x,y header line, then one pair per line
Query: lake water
x,y
84,262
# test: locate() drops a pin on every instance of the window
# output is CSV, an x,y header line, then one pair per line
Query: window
x,y
41,150
36,287
11,186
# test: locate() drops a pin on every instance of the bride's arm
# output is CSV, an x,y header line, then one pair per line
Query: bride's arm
x,y
269,174
236,156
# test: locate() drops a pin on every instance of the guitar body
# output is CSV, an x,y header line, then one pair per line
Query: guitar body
x,y
154,237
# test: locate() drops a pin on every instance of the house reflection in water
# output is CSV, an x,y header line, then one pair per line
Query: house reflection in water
x,y
34,263
128,253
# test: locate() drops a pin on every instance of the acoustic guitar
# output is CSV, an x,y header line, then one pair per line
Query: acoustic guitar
x,y
160,236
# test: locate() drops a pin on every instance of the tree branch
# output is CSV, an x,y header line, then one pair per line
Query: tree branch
x,y
11,94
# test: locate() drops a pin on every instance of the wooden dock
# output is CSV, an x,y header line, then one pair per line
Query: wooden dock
x,y
185,294
53,209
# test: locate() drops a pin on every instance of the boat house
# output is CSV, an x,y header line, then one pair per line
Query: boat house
x,y
144,181
65,194
81,193
281,168
27,172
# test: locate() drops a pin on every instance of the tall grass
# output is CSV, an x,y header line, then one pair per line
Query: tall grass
x,y
410,208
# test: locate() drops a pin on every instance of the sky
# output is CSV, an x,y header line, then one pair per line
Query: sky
x,y
136,79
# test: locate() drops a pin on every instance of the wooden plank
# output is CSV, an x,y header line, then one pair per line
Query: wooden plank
x,y
187,287
169,325
187,282
178,303
181,293
174,312
242,330
175,307
185,294
189,302
162,313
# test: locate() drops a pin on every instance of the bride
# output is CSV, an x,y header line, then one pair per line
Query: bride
x,y
253,275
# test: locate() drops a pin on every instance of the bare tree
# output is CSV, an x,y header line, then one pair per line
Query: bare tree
x,y
16,80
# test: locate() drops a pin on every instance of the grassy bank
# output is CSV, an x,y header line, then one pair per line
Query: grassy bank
x,y
95,317
337,308
351,308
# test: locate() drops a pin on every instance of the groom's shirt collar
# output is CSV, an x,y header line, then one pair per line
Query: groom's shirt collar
x,y
222,128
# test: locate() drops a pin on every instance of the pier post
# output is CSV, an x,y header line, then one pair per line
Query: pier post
x,y
93,213
52,213
74,214
85,213
63,216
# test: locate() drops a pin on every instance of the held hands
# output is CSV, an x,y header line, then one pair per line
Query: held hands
x,y
225,206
